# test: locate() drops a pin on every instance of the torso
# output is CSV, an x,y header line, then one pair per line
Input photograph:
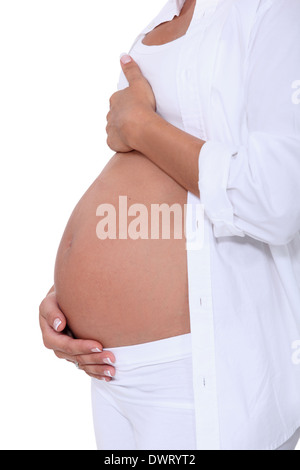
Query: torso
x,y
125,292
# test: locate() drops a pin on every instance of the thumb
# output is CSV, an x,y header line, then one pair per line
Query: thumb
x,y
50,311
130,68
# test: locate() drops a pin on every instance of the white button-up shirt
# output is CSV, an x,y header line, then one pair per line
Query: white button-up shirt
x,y
239,90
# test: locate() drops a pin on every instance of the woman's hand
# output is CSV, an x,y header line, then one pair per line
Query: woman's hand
x,y
86,354
128,107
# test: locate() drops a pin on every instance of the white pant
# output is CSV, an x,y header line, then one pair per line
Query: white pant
x,y
149,405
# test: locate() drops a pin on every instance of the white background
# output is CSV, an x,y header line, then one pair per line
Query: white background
x,y
59,64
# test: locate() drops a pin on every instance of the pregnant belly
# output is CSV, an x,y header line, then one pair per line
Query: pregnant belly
x,y
121,268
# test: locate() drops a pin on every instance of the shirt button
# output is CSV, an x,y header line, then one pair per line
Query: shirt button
x,y
206,302
186,74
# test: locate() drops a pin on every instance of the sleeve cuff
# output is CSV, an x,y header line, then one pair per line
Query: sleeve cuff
x,y
214,169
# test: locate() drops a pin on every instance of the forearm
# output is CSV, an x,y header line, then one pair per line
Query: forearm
x,y
173,150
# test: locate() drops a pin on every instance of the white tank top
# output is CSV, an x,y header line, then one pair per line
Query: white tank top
x,y
159,66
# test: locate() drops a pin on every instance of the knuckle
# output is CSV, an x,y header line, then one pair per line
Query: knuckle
x,y
59,355
108,141
42,307
65,348
96,370
47,343
112,99
68,350
46,310
136,80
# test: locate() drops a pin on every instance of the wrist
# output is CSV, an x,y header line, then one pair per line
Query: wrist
x,y
137,127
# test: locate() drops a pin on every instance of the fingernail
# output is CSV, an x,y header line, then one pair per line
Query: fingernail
x,y
108,361
56,324
108,373
96,350
125,59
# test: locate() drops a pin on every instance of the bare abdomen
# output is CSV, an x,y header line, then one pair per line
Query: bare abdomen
x,y
124,291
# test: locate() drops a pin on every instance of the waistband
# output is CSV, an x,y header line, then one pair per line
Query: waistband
x,y
165,350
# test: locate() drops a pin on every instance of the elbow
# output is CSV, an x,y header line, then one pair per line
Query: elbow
x,y
282,232
282,221
272,220
275,229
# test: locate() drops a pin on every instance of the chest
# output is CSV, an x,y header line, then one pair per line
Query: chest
x,y
171,30
198,79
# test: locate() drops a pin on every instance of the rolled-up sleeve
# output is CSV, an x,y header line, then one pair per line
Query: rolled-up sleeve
x,y
254,189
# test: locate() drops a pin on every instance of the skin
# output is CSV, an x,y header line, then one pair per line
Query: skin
x,y
132,124
99,283
87,353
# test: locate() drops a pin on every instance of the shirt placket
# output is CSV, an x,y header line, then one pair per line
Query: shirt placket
x,y
199,263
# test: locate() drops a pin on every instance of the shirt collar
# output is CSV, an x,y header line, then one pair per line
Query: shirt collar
x,y
173,8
